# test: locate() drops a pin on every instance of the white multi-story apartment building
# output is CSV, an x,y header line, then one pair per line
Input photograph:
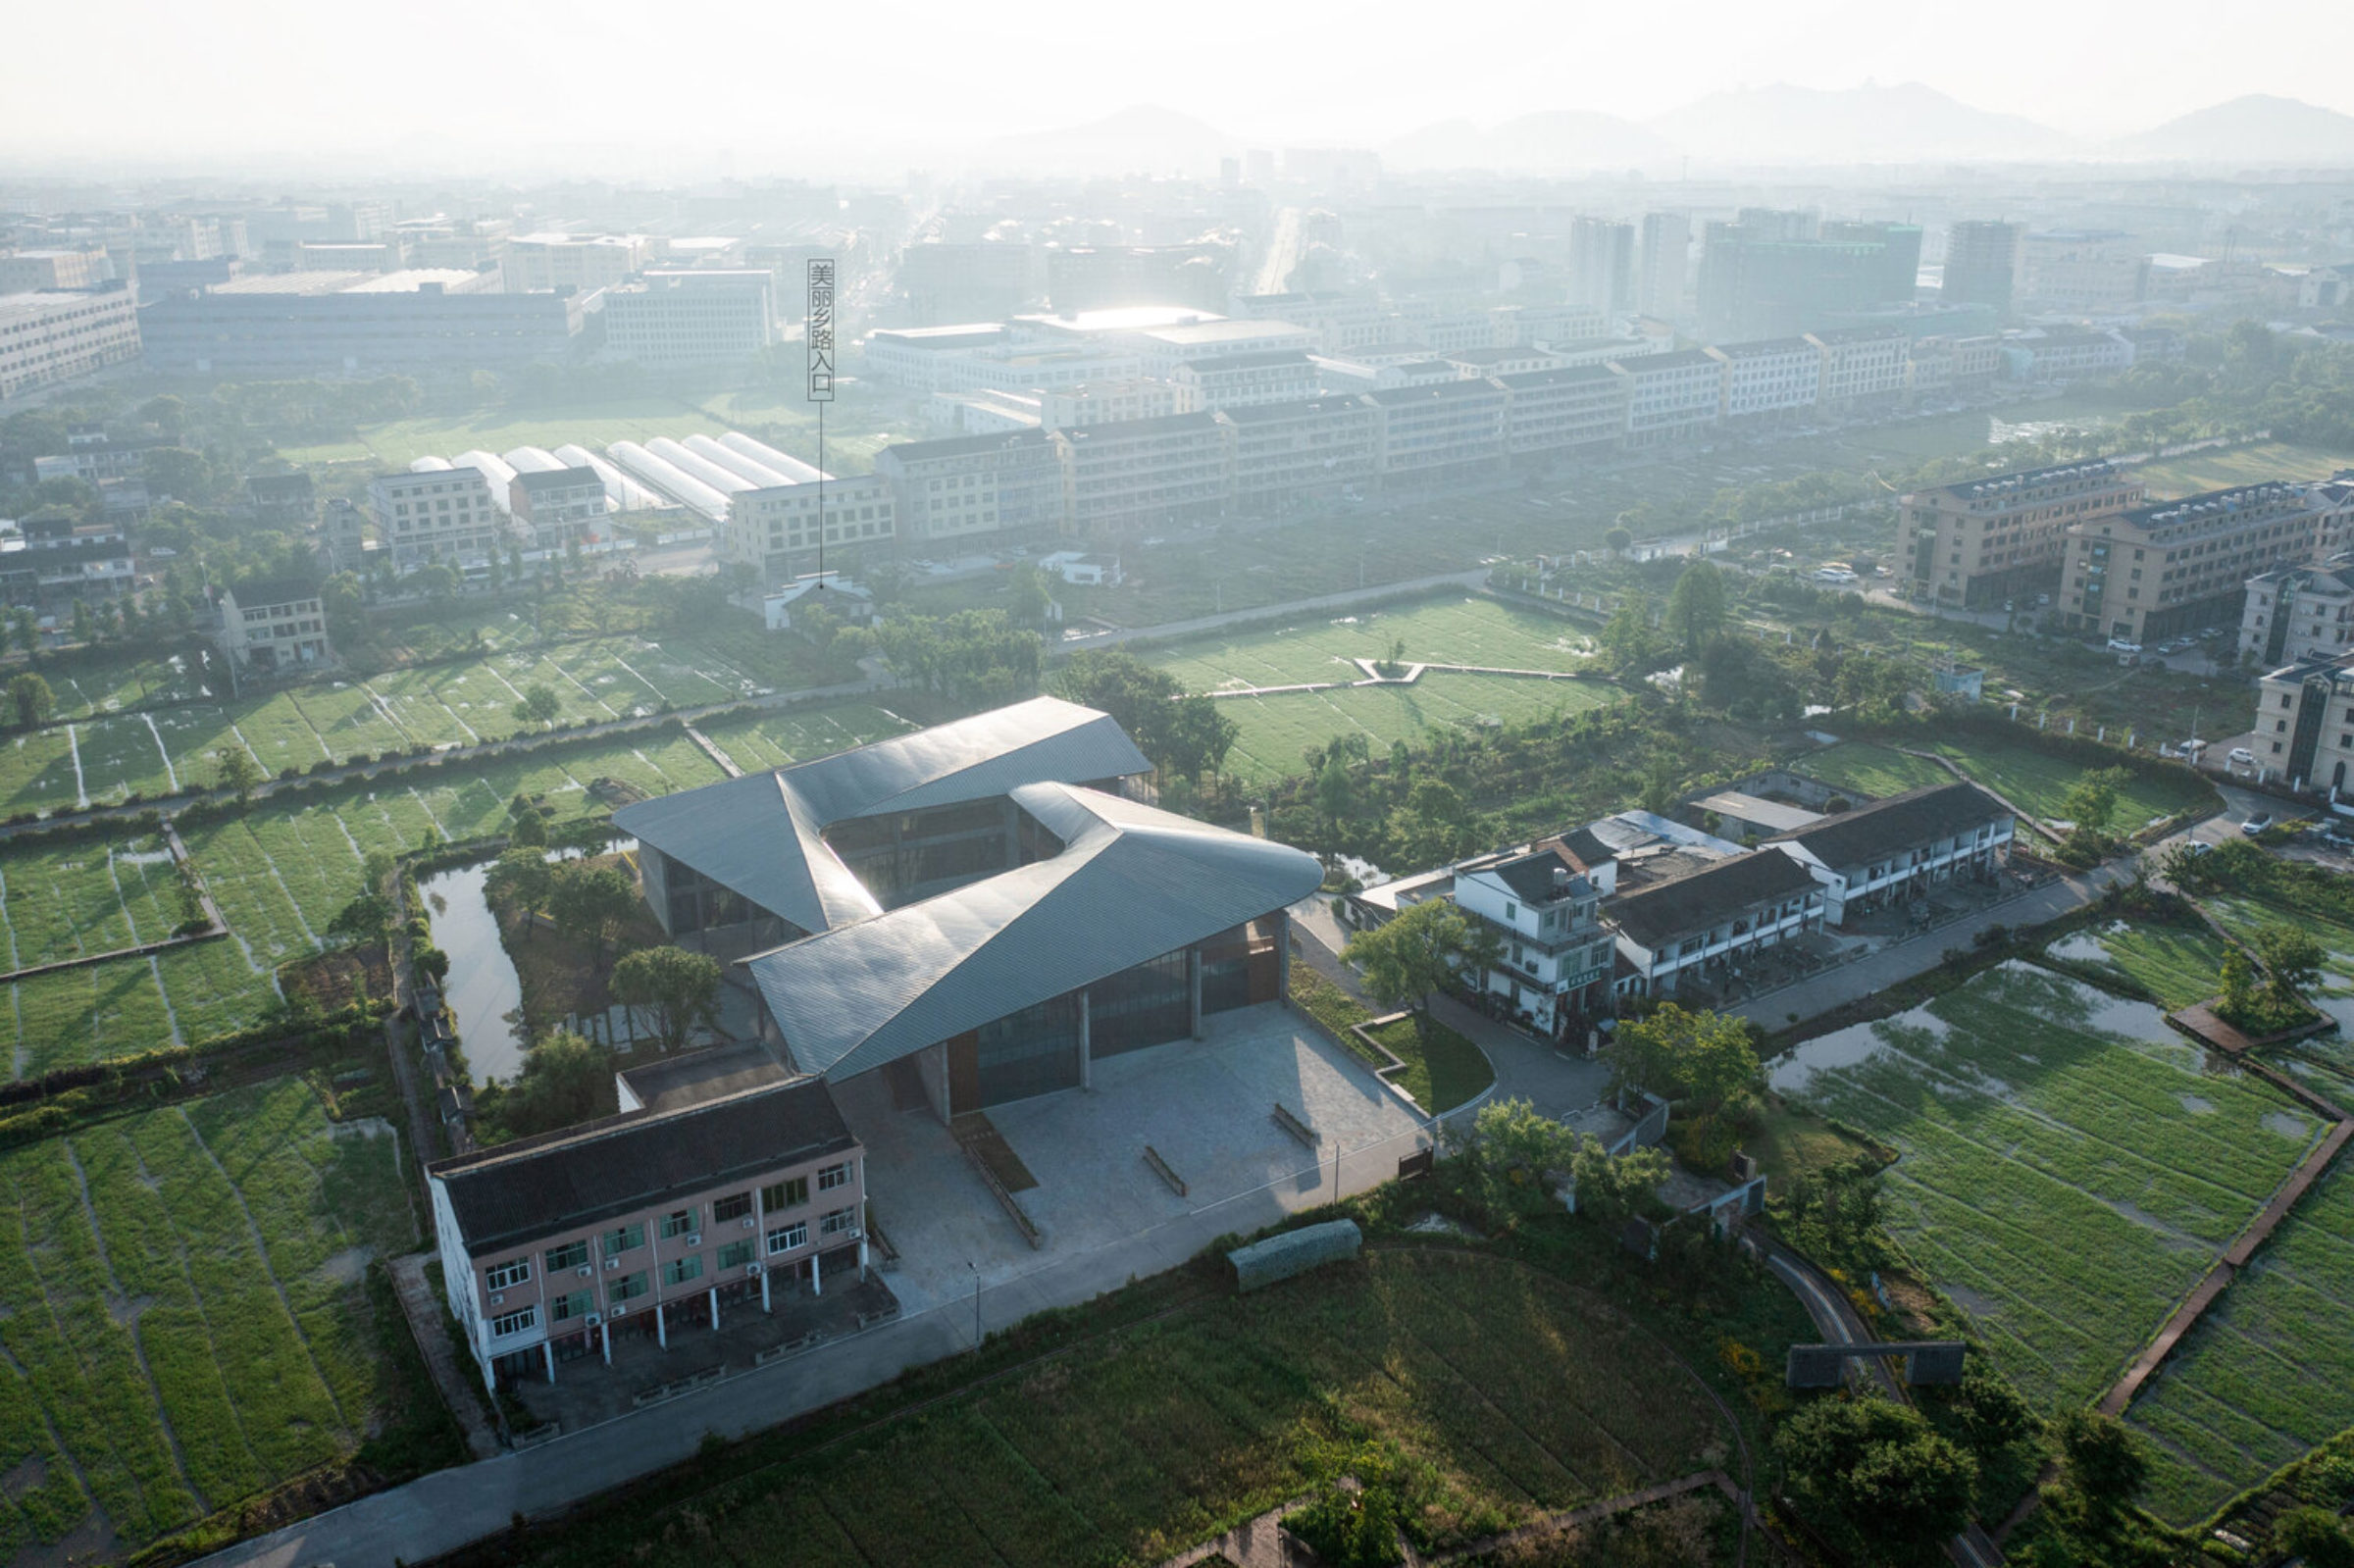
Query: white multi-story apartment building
x,y
1442,429
439,514
557,506
1900,848
1241,380
1164,348
2080,269
1583,405
695,316
273,626
1282,453
1008,484
1140,473
2067,356
1544,903
42,271
1862,366
2299,612
47,338
1670,398
1768,380
774,532
1478,364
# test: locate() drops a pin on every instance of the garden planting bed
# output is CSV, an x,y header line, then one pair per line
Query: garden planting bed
x,y
182,1307
1511,1393
2069,1167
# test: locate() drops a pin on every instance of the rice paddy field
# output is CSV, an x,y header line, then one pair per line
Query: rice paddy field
x,y
758,740
182,1308
1512,1393
152,752
2268,1373
2070,1167
280,872
1278,729
2180,965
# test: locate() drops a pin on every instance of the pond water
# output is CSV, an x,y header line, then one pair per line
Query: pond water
x,y
481,987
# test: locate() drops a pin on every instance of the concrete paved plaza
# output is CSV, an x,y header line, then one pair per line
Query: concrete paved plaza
x,y
1206,1106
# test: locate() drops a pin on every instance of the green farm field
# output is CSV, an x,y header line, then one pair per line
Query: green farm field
x,y
2038,783
2069,1168
280,872
153,752
2178,965
2269,1372
2223,466
182,1308
1277,729
1870,771
757,740
1505,1391
1441,631
1474,630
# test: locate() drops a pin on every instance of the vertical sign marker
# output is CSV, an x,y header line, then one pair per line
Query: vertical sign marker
x,y
821,381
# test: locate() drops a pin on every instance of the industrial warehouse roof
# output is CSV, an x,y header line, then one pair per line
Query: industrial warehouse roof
x,y
521,1191
761,835
1936,811
1660,915
1131,883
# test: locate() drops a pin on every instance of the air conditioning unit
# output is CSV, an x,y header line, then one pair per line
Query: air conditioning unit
x,y
751,1271
748,1222
612,1263
620,1307
584,1271
498,1298
595,1318
697,1240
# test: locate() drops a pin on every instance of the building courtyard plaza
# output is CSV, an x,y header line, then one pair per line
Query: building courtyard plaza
x,y
1206,1106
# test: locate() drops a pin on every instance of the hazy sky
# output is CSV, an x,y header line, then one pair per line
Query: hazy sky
x,y
420,80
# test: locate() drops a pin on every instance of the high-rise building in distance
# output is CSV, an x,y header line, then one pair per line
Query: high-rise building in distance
x,y
1981,259
1602,264
1662,289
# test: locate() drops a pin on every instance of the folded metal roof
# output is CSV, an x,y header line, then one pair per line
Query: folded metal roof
x,y
1132,884
762,835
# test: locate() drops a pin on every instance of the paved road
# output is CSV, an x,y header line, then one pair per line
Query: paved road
x,y
1837,1320
1820,993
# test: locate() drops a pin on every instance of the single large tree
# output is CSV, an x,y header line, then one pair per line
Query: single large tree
x,y
540,706
1696,606
590,904
521,881
679,988
1700,1055
2292,961
240,772
1896,1483
566,1078
31,700
1405,959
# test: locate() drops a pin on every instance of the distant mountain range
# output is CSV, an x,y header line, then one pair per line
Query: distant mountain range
x,y
1909,123
2255,130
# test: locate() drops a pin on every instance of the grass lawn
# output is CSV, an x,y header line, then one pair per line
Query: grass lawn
x,y
1792,1141
2178,965
2223,466
2069,1167
1276,731
2269,1372
182,1309
1870,771
1443,1069
1508,1393
1439,631
2038,783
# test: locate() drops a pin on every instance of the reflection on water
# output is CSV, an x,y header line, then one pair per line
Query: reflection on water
x,y
482,987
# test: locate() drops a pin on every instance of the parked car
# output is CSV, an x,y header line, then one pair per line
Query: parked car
x,y
2242,757
2123,645
2257,823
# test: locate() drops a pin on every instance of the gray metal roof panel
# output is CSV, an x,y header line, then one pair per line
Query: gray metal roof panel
x,y
1132,884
